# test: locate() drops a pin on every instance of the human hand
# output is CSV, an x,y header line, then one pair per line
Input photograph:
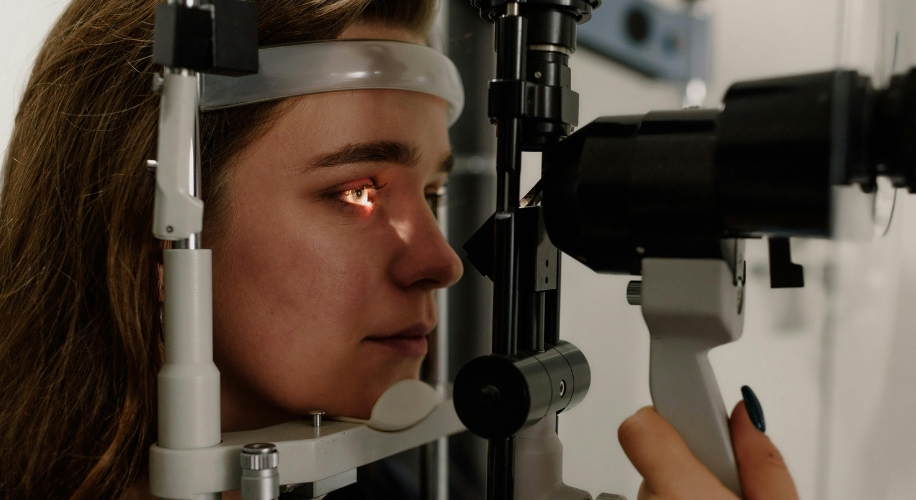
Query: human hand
x,y
671,472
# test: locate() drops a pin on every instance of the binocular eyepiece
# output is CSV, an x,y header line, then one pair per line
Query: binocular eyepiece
x,y
783,157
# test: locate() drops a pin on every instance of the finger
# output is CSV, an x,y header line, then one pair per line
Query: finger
x,y
662,458
644,493
761,467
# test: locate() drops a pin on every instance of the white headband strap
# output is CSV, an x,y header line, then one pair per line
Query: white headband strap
x,y
328,66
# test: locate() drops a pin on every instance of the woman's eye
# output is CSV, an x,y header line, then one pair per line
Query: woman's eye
x,y
358,196
433,199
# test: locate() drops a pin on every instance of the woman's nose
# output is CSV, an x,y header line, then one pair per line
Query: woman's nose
x,y
426,261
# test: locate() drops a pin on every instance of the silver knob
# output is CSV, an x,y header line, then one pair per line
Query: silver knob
x,y
634,293
151,165
260,475
610,496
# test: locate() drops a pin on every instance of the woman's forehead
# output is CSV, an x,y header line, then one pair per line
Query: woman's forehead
x,y
356,127
357,116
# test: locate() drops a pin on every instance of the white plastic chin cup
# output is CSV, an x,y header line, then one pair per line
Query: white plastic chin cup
x,y
401,406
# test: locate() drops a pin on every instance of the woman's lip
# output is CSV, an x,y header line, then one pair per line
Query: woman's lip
x,y
414,331
410,341
408,346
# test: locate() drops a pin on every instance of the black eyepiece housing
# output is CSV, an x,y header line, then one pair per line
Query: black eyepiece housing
x,y
781,157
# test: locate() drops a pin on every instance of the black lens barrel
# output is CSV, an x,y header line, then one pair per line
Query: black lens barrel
x,y
766,163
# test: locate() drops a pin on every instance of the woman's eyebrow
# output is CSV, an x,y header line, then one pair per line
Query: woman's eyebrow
x,y
369,152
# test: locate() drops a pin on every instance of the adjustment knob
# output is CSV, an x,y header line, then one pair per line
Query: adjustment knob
x,y
260,478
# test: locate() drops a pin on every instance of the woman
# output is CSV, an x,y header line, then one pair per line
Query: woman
x,y
326,254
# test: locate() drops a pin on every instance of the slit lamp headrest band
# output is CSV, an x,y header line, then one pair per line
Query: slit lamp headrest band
x,y
329,66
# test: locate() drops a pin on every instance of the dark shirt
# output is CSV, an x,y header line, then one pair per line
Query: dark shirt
x,y
397,478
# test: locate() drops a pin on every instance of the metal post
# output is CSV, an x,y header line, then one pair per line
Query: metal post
x,y
510,65
189,397
434,456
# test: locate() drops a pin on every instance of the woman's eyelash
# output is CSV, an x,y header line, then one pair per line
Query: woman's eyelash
x,y
433,199
356,197
363,196
369,186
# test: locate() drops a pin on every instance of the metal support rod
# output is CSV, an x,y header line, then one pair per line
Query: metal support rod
x,y
193,242
504,285
510,36
552,308
539,317
189,397
511,41
501,456
434,455
501,469
532,308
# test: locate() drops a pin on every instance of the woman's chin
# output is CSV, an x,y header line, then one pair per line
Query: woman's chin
x,y
360,404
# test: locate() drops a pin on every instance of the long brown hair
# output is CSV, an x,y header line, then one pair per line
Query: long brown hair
x,y
79,332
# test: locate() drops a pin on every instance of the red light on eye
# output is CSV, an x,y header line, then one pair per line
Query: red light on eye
x,y
362,196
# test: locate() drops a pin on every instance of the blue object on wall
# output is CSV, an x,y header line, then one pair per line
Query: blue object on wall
x,y
654,40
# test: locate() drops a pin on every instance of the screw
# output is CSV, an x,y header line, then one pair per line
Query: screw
x,y
316,418
158,81
169,229
562,388
537,74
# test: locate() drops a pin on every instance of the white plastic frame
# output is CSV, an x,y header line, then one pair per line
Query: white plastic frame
x,y
329,66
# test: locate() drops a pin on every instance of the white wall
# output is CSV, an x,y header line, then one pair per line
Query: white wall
x,y
832,365
23,27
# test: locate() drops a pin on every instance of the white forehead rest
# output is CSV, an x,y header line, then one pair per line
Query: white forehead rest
x,y
328,66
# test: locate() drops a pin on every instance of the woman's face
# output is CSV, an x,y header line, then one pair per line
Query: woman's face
x,y
325,270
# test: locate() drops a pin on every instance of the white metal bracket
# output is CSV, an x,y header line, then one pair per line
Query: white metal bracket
x,y
539,464
178,213
307,454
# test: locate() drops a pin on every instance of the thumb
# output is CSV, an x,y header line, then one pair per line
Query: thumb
x,y
763,471
665,462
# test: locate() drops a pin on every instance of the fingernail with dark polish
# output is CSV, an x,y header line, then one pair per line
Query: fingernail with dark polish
x,y
754,410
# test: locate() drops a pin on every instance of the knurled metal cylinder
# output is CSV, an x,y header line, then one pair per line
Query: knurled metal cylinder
x,y
634,293
260,476
496,396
